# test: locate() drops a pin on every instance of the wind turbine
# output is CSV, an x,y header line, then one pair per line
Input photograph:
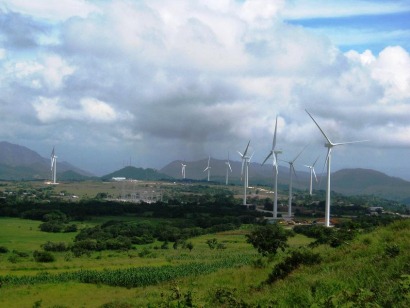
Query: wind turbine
x,y
274,153
329,145
312,173
53,167
292,168
228,168
244,168
183,170
208,168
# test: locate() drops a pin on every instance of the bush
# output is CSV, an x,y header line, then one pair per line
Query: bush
x,y
20,254
52,226
43,256
292,262
50,246
4,249
269,238
392,251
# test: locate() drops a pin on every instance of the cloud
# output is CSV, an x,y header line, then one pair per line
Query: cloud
x,y
50,10
192,77
89,110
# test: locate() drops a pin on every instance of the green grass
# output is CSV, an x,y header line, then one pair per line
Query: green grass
x,y
360,273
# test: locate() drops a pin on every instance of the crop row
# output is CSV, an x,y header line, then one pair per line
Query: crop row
x,y
129,277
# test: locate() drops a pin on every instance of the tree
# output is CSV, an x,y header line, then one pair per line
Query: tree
x,y
269,238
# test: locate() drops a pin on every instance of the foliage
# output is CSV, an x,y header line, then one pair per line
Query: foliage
x,y
127,277
295,259
43,256
50,246
324,235
228,296
4,249
392,250
269,238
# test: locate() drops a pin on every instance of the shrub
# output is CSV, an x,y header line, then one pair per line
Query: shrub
x,y
52,226
4,249
43,256
212,243
392,251
20,254
292,262
269,238
50,246
70,228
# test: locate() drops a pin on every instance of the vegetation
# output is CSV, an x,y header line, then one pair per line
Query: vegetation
x,y
268,239
200,248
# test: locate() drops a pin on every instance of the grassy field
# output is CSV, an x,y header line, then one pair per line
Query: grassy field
x,y
369,270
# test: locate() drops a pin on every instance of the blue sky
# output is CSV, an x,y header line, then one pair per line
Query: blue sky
x,y
156,81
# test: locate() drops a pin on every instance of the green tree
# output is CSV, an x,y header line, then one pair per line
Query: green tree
x,y
269,238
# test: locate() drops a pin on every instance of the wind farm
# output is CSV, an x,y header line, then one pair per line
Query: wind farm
x,y
120,182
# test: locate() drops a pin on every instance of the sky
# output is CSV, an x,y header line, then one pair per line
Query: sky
x,y
116,82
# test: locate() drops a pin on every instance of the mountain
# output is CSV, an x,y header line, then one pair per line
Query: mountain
x,y
257,174
347,181
137,174
370,182
20,163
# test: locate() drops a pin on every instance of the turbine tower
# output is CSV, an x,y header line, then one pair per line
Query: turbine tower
x,y
244,168
183,170
53,167
312,173
228,168
292,168
274,153
208,168
248,162
329,145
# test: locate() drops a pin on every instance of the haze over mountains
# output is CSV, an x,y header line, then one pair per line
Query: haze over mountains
x,y
20,163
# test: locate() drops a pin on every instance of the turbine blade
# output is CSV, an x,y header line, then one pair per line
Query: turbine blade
x,y
314,173
229,165
315,161
251,157
299,154
274,135
242,155
267,157
327,157
348,142
327,138
294,171
246,150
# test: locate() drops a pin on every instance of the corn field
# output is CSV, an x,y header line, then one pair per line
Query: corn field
x,y
130,277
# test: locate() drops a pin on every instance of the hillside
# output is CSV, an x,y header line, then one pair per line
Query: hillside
x,y
134,173
370,182
257,174
20,163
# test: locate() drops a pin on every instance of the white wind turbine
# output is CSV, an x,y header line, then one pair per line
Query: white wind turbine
x,y
312,173
53,167
228,168
329,145
274,153
183,170
292,168
208,168
244,168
